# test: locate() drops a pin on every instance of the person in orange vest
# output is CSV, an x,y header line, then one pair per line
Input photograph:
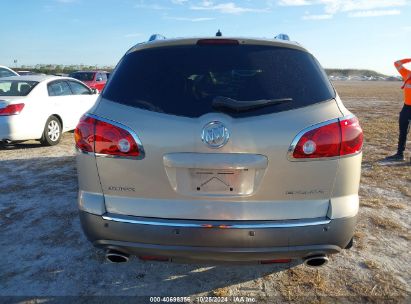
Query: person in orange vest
x,y
405,114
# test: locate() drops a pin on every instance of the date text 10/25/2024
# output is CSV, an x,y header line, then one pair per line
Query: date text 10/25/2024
x,y
234,299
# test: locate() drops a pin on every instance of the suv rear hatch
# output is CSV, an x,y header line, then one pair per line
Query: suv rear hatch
x,y
262,96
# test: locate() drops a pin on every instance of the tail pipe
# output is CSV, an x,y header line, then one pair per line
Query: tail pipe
x,y
316,260
115,256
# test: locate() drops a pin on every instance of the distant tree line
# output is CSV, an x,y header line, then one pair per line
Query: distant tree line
x,y
61,69
67,69
353,72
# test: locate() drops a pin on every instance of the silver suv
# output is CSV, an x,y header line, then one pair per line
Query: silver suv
x,y
235,150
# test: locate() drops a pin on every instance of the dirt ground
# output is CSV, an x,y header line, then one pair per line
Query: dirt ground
x,y
45,254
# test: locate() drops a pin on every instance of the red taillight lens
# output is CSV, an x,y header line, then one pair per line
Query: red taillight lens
x,y
218,42
12,109
277,261
339,138
101,137
112,140
84,134
352,136
153,258
321,142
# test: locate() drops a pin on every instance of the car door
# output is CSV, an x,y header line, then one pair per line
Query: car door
x,y
61,102
83,99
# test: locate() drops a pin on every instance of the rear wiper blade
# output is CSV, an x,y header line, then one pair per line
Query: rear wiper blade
x,y
245,105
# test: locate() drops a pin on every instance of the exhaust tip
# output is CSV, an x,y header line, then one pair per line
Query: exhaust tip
x,y
316,261
114,256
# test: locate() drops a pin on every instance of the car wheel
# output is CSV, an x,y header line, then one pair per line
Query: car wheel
x,y
52,132
350,244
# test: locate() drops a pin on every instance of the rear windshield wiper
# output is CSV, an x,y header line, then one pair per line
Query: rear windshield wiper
x,y
245,105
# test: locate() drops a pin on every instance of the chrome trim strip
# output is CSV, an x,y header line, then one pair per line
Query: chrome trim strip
x,y
302,132
236,161
84,152
129,130
227,225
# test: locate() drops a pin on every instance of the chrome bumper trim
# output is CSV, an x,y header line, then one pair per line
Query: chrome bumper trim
x,y
219,224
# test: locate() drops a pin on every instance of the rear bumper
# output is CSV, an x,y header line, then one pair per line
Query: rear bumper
x,y
5,128
230,241
16,127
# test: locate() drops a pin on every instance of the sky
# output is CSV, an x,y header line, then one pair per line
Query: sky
x,y
341,34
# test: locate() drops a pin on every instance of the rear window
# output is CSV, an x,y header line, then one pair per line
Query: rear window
x,y
79,89
59,88
83,76
103,76
16,87
6,73
189,80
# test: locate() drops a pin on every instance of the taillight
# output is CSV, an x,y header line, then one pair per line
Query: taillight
x,y
277,261
104,137
84,134
218,42
324,141
352,136
153,258
339,138
12,109
113,140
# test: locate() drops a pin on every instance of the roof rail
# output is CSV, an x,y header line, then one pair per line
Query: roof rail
x,y
155,37
282,37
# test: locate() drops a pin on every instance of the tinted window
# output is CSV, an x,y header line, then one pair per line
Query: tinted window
x,y
187,80
101,76
5,73
83,76
16,87
79,89
23,73
59,88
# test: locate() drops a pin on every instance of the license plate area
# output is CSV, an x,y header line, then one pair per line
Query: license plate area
x,y
221,181
215,174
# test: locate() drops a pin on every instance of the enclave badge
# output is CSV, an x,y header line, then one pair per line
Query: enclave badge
x,y
215,134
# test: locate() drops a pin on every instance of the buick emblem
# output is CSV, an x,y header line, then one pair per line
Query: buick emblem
x,y
215,134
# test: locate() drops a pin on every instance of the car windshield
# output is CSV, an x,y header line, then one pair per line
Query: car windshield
x,y
83,76
239,80
16,87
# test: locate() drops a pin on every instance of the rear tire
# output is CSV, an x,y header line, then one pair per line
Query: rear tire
x,y
52,132
350,244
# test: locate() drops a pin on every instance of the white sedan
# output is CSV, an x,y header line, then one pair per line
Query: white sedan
x,y
41,107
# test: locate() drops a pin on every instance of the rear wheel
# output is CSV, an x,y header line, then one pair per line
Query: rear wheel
x,y
350,244
52,132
